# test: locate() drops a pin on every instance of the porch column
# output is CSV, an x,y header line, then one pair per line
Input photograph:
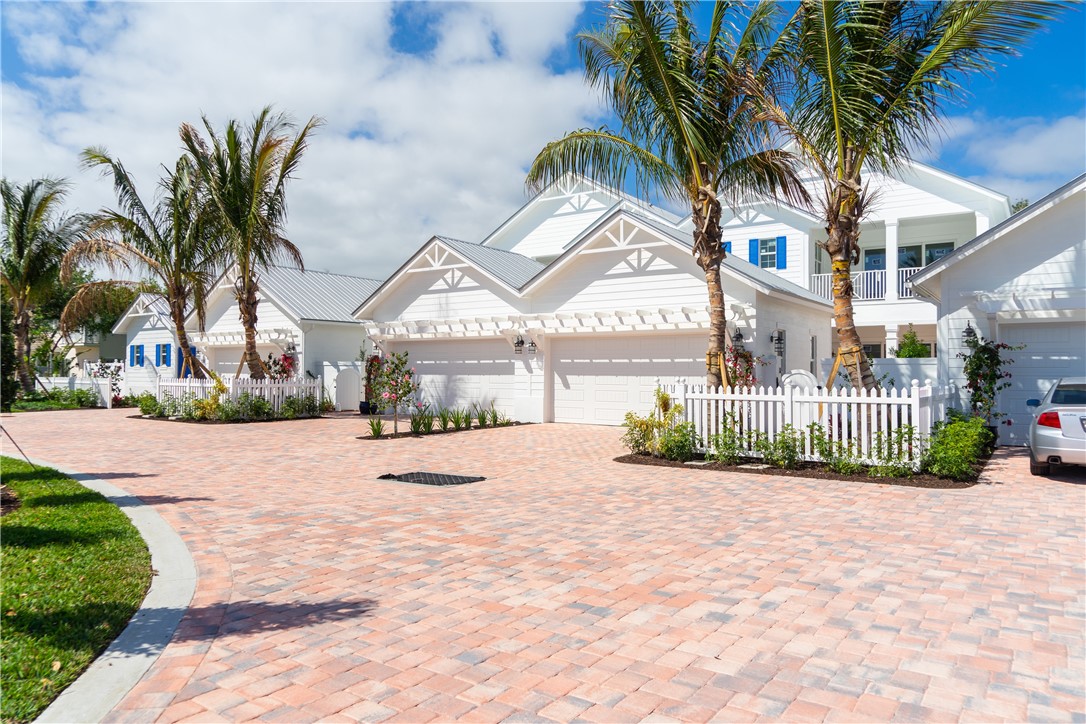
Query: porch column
x,y
891,265
891,340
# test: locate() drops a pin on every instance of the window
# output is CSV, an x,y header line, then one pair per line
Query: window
x,y
935,252
162,355
767,253
909,257
875,259
873,351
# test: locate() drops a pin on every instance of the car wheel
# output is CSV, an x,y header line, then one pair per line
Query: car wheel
x,y
1036,468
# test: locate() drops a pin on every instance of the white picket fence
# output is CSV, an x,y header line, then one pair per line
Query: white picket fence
x,y
857,419
272,391
98,387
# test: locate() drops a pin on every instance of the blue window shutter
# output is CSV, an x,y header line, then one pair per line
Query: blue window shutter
x,y
754,252
158,354
131,355
139,355
166,356
782,252
727,247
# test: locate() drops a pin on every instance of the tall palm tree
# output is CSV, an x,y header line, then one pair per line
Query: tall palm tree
x,y
872,80
688,127
36,236
172,243
245,172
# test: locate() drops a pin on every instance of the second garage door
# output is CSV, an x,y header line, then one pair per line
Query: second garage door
x,y
597,380
1053,350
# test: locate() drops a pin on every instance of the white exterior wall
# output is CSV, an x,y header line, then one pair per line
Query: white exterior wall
x,y
330,349
222,316
800,323
551,222
1045,257
740,234
150,331
448,294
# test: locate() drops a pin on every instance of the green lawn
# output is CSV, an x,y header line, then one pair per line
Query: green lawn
x,y
74,571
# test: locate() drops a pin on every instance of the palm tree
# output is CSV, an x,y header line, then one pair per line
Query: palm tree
x,y
36,236
171,243
688,128
872,79
245,172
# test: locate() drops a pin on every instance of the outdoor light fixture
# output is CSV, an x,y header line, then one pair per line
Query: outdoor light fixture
x,y
531,346
737,339
518,345
777,340
968,333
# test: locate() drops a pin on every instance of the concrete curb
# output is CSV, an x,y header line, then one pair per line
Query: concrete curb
x,y
119,668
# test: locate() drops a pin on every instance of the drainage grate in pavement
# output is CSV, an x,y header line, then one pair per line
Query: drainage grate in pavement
x,y
431,478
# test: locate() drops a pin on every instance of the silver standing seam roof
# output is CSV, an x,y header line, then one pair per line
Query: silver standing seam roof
x,y
317,296
512,268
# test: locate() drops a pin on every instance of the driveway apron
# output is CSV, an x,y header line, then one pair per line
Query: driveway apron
x,y
568,586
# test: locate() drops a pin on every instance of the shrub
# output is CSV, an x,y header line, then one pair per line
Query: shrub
x,y
893,453
679,442
311,406
460,419
640,436
377,426
422,420
493,416
911,346
728,446
838,455
229,411
252,407
444,418
955,447
292,408
783,450
986,374
482,415
148,404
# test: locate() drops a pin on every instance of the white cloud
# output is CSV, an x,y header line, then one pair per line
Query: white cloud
x,y
445,137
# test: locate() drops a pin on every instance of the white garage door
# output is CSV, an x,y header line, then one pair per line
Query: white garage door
x,y
1053,350
598,380
461,373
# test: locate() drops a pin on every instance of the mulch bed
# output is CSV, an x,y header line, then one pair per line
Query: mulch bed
x,y
435,431
9,501
218,422
810,470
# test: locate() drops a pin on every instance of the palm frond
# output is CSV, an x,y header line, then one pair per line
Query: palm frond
x,y
604,157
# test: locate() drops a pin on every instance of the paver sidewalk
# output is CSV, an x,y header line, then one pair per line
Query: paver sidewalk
x,y
567,586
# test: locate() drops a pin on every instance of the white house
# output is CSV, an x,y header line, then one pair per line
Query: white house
x,y
571,308
150,347
307,311
1021,282
917,217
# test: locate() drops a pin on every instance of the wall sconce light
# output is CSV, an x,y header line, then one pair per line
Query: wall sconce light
x,y
518,345
777,340
968,334
737,339
531,346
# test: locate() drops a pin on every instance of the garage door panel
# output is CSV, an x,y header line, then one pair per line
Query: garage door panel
x,y
1053,350
460,373
599,379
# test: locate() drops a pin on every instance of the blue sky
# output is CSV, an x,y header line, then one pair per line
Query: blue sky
x,y
434,111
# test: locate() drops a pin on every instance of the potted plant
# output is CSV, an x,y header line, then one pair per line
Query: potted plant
x,y
986,376
369,405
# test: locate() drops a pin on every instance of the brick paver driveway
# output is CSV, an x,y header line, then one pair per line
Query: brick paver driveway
x,y
569,586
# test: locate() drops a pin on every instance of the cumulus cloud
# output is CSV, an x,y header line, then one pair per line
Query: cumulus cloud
x,y
417,143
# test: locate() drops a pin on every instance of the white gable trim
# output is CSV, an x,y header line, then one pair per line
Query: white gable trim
x,y
434,255
140,307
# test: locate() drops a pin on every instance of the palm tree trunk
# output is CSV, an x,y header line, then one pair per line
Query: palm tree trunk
x,y
710,253
21,329
844,213
247,303
189,360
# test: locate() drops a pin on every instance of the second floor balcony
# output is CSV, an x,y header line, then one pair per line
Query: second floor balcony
x,y
867,286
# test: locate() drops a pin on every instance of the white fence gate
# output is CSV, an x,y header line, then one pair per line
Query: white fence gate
x,y
858,419
272,391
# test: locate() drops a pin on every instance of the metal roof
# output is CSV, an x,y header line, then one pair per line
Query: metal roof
x,y
512,268
317,296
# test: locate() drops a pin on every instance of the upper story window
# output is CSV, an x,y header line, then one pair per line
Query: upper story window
x,y
935,252
767,253
908,257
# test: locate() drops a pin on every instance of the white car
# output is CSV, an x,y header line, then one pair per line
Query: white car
x,y
1057,435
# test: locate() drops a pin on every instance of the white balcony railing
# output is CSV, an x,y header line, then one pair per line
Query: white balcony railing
x,y
903,276
866,285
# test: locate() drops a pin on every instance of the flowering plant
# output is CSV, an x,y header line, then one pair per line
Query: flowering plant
x,y
395,385
742,366
985,374
284,366
111,373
